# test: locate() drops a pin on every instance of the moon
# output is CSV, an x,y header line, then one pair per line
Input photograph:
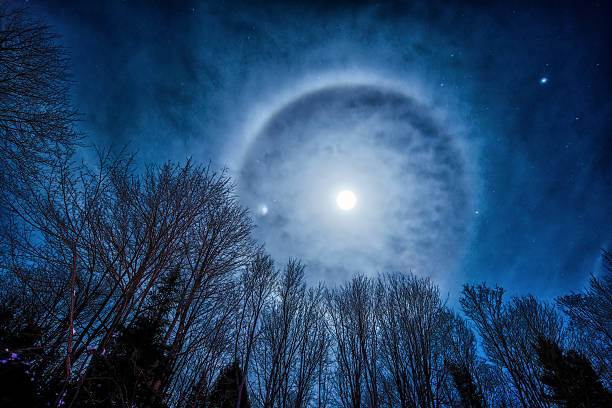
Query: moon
x,y
346,200
415,195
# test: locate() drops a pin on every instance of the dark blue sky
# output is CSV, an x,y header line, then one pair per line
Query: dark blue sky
x,y
195,79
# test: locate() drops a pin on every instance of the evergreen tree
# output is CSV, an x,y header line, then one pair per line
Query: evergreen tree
x,y
198,398
225,391
572,381
471,396
133,371
19,382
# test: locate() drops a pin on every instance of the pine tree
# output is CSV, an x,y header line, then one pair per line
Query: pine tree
x,y
471,396
19,382
225,391
134,370
198,398
569,375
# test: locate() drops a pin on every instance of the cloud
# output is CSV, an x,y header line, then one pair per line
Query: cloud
x,y
409,175
202,79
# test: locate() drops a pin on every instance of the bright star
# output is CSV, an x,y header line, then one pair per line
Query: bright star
x,y
263,209
543,80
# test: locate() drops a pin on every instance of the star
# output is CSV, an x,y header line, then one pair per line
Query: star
x,y
543,80
262,209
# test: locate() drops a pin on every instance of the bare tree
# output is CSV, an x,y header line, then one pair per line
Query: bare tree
x,y
36,119
94,244
256,286
464,366
50,252
350,310
216,246
416,340
293,343
509,332
36,133
590,313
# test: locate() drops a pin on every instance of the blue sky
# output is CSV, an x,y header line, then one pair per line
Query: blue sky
x,y
201,80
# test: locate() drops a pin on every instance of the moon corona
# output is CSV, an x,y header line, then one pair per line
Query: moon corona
x,y
415,197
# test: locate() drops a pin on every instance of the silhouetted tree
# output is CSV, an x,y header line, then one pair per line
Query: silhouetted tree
x,y
292,344
350,309
37,136
36,119
415,329
20,380
216,248
197,397
103,239
590,313
134,371
470,393
508,331
470,375
569,375
225,392
256,285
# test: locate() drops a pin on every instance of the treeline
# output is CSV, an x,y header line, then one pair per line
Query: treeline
x,y
126,288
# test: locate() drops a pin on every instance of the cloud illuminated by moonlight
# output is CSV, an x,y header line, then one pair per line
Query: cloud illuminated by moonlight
x,y
408,173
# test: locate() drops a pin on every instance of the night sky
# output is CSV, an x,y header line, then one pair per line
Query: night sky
x,y
477,138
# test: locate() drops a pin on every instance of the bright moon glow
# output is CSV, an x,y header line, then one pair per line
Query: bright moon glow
x,y
346,200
